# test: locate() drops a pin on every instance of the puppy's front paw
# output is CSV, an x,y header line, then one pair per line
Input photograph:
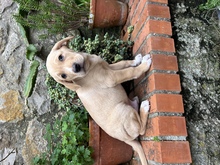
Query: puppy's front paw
x,y
137,59
147,59
145,105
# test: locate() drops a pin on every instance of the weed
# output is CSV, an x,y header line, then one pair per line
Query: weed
x,y
53,15
210,4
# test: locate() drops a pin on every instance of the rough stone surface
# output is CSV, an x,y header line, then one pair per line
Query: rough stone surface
x,y
9,155
198,48
39,100
4,4
10,107
14,112
12,137
2,37
12,49
22,120
34,141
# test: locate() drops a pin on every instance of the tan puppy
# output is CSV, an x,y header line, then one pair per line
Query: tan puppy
x,y
98,85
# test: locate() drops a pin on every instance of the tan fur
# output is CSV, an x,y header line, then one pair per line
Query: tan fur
x,y
98,85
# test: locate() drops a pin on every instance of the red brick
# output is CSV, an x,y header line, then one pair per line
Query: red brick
x,y
125,37
164,62
149,11
167,151
140,23
158,82
161,62
106,148
162,81
124,31
138,12
160,27
158,11
141,39
133,7
166,103
156,43
166,126
152,26
130,3
159,1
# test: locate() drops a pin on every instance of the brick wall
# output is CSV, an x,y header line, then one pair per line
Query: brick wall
x,y
165,138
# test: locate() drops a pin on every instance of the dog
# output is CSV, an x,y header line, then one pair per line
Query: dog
x,y
98,85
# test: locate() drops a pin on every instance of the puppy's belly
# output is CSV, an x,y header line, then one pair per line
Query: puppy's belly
x,y
109,107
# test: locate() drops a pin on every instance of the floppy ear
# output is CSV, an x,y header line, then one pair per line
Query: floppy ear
x,y
61,43
71,85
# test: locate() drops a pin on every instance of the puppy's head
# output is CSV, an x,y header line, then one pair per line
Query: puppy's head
x,y
65,65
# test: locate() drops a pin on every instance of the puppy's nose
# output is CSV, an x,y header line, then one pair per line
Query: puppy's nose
x,y
76,68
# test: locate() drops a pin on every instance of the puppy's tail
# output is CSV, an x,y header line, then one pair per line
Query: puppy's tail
x,y
138,148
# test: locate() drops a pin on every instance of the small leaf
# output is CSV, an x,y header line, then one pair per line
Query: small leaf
x,y
31,79
31,51
64,126
130,29
118,58
23,33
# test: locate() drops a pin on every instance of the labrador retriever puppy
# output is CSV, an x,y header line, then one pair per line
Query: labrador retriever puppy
x,y
98,85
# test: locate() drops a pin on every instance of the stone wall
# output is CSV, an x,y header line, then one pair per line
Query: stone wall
x,y
21,127
198,50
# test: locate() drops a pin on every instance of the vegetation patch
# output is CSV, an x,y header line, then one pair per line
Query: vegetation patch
x,y
57,16
68,136
210,4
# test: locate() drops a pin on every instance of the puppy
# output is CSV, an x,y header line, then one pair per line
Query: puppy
x,y
98,85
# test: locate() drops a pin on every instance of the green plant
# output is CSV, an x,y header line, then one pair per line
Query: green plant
x,y
210,4
156,139
108,48
211,13
56,16
31,79
68,136
30,55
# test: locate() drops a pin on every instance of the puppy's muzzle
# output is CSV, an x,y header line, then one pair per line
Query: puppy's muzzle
x,y
76,68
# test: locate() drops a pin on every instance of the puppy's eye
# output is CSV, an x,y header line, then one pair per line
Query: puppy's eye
x,y
64,76
60,58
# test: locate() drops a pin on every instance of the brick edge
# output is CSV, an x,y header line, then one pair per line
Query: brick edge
x,y
165,138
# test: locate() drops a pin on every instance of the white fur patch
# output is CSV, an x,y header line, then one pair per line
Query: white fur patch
x,y
137,59
68,69
145,105
147,59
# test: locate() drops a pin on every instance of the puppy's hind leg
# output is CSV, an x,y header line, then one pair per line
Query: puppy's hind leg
x,y
138,148
144,110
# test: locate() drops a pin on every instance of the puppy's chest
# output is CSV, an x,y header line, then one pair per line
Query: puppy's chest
x,y
91,99
102,97
91,94
93,83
